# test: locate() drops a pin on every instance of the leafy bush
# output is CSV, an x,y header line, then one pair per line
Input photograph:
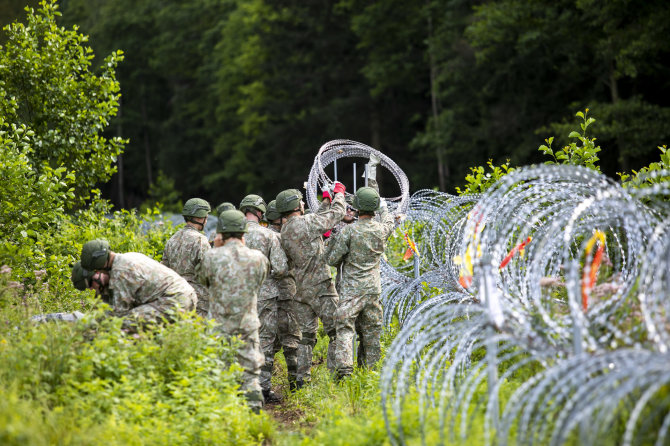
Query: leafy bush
x,y
90,383
47,88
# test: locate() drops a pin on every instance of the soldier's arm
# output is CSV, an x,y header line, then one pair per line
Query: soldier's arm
x,y
201,273
339,249
387,222
327,216
278,259
202,247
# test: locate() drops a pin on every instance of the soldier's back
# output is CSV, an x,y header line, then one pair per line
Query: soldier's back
x,y
234,274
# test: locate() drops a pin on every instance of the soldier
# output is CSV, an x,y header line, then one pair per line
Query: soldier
x,y
234,274
185,249
279,326
265,241
141,288
316,296
359,248
225,206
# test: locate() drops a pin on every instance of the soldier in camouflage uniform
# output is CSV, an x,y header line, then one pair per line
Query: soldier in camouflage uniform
x,y
234,274
185,249
267,242
359,248
279,326
142,289
301,238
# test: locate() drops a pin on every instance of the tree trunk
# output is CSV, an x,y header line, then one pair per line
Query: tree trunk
x,y
147,146
442,166
119,133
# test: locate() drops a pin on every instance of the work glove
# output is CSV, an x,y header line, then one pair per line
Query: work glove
x,y
339,188
383,206
325,192
372,167
327,233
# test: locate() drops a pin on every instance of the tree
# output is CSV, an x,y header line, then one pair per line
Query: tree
x,y
45,73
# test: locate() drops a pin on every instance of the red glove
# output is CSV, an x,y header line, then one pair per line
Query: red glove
x,y
326,194
339,188
327,234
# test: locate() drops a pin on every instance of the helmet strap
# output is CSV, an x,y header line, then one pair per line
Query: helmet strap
x,y
194,222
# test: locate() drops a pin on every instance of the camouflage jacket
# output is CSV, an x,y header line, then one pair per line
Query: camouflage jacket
x,y
301,238
234,274
359,248
136,279
286,284
267,242
183,252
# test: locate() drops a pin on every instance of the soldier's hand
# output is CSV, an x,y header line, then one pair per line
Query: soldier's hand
x,y
339,188
383,206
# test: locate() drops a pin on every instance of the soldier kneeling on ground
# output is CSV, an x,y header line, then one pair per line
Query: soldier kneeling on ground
x,y
139,288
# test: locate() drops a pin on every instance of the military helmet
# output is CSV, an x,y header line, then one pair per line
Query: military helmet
x,y
272,213
366,199
94,254
80,277
253,202
196,207
231,221
288,200
225,206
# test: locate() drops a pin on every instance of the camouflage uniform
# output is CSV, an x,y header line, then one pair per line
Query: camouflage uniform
x,y
143,288
315,294
234,274
287,329
359,248
271,339
183,252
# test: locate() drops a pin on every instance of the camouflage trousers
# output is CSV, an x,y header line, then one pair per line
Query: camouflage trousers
x,y
279,329
310,306
161,308
362,315
251,360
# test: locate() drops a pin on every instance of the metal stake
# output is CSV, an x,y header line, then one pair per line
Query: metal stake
x,y
354,177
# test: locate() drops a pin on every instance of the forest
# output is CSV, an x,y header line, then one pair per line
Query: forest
x,y
220,98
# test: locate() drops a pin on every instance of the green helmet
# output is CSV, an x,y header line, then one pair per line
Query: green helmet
x,y
272,214
225,206
231,221
196,207
253,202
80,277
94,254
288,200
366,199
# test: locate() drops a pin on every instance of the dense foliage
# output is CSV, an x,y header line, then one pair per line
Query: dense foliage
x,y
231,96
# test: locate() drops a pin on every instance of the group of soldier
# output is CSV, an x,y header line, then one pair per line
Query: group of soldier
x,y
265,279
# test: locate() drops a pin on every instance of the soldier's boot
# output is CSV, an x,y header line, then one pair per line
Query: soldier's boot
x,y
342,373
291,356
270,397
295,384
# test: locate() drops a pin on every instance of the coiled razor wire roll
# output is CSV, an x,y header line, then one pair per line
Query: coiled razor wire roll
x,y
344,148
